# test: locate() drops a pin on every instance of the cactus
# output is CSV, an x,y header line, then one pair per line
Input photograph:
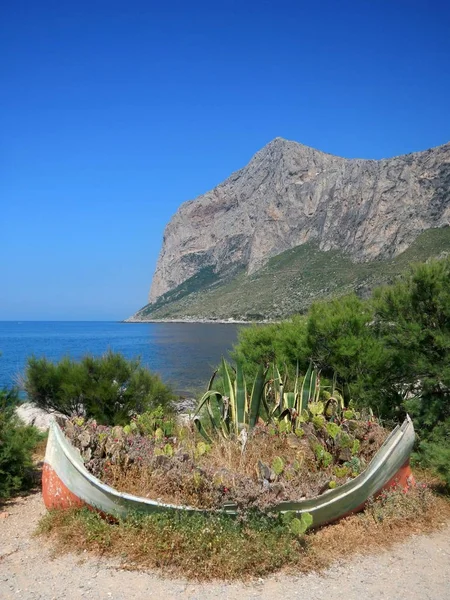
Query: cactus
x,y
159,434
333,430
278,465
318,421
298,523
316,408
284,427
327,459
168,450
346,441
202,448
355,447
340,472
234,409
322,456
354,465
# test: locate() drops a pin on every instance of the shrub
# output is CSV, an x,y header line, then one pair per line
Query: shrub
x,y
109,389
390,352
283,342
17,443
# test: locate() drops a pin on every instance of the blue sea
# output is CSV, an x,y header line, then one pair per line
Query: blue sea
x,y
184,354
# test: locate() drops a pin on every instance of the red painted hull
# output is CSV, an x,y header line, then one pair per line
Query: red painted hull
x,y
55,493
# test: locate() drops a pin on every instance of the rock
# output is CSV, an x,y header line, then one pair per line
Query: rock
x,y
184,419
31,414
266,485
278,489
118,433
345,454
183,457
289,195
161,461
265,472
114,448
185,406
4,515
87,454
69,429
184,409
294,441
85,439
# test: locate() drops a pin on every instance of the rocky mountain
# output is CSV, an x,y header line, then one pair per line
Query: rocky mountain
x,y
293,199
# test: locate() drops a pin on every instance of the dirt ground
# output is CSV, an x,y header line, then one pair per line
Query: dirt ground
x,y
418,570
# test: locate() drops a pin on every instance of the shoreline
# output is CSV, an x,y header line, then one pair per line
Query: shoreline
x,y
197,321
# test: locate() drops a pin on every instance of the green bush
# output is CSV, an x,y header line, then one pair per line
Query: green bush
x,y
284,343
17,443
109,389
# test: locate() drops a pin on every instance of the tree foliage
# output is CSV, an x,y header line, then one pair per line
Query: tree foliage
x,y
413,322
391,352
17,442
108,388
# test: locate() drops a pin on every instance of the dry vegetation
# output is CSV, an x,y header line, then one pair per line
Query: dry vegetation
x,y
219,547
181,470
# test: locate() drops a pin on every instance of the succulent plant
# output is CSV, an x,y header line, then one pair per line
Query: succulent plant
x,y
316,408
278,465
341,471
318,421
202,448
168,450
333,430
298,523
355,447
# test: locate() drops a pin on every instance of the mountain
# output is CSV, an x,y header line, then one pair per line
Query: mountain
x,y
295,225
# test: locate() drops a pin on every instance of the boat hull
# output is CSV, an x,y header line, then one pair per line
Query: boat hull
x,y
67,483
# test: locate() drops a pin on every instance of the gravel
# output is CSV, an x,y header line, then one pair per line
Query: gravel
x,y
417,570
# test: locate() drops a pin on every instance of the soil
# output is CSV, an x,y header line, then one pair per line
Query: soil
x,y
416,570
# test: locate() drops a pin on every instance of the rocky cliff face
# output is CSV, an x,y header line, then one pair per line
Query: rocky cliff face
x,y
290,194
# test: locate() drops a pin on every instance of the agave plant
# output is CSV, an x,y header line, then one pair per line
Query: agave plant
x,y
292,404
235,409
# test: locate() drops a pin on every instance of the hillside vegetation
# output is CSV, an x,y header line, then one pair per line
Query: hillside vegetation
x,y
288,284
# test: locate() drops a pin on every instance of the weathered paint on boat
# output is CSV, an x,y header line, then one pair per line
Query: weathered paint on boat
x,y
66,482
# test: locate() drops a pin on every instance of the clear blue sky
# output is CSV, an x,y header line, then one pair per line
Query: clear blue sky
x,y
114,113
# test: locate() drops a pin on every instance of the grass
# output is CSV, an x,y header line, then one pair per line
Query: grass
x,y
217,547
289,283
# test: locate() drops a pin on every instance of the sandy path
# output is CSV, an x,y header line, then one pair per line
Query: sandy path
x,y
417,569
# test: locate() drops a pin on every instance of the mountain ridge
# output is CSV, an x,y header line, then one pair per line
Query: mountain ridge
x,y
289,195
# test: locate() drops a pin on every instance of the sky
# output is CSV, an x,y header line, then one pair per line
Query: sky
x,y
114,113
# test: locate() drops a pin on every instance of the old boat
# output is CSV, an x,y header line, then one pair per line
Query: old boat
x,y
66,482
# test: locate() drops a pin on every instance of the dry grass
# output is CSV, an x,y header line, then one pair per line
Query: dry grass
x,y
226,474
385,522
39,451
227,454
218,547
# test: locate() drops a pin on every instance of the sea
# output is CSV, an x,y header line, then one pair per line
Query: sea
x,y
183,354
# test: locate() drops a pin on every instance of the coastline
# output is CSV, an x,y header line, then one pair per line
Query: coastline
x,y
197,321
